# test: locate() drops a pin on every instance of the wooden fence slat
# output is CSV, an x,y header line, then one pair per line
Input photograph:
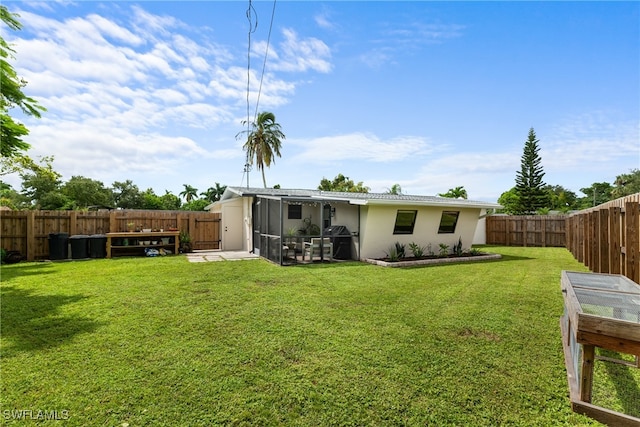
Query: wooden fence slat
x,y
632,241
526,230
28,231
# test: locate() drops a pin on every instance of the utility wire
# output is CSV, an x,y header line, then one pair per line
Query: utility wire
x,y
264,63
252,28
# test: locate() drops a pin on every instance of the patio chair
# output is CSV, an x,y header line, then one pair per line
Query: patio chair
x,y
313,249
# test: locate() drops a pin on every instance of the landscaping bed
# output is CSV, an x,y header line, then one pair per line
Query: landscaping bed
x,y
415,262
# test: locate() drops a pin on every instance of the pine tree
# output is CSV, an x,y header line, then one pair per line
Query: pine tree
x,y
529,185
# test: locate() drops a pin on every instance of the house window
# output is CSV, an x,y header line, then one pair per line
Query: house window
x,y
448,222
405,220
295,212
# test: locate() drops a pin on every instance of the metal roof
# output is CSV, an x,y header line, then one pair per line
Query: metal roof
x,y
355,198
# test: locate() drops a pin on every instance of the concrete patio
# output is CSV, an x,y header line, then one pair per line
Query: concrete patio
x,y
218,255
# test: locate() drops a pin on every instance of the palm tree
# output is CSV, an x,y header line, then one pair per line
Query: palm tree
x,y
395,189
263,141
189,192
455,193
213,194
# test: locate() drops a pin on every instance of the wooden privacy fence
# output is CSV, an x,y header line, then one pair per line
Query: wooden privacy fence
x,y
526,230
606,238
28,231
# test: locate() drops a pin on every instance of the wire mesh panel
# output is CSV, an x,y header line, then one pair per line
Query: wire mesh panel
x,y
601,334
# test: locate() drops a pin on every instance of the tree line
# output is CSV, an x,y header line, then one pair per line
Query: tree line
x,y
42,188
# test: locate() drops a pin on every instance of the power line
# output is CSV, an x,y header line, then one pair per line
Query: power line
x,y
252,28
264,63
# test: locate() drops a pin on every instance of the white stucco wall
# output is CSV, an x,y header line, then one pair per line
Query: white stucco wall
x,y
376,233
480,236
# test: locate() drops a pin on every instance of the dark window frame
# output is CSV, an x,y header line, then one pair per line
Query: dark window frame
x,y
448,227
406,226
294,211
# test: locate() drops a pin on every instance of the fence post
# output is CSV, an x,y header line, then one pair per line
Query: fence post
x,y
632,240
73,223
603,241
31,235
113,227
615,242
508,233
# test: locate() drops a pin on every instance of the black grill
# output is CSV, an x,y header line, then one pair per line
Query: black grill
x,y
341,240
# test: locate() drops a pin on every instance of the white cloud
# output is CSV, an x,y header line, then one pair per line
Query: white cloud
x,y
126,94
361,146
298,54
593,139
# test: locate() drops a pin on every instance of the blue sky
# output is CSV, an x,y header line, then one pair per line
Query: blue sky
x,y
428,95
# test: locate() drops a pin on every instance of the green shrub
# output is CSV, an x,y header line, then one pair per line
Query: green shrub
x,y
417,250
444,250
400,249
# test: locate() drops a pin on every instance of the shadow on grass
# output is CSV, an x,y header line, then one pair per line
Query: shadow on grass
x,y
626,385
12,271
33,322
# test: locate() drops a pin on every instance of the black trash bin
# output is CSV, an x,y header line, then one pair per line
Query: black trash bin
x,y
79,246
341,240
97,246
58,246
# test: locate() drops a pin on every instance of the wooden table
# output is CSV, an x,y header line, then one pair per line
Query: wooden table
x,y
134,239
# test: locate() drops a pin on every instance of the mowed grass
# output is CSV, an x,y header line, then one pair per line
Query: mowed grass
x,y
160,341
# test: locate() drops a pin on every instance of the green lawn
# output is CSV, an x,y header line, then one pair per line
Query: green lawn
x,y
160,341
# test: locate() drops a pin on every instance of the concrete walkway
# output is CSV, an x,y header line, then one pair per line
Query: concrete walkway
x,y
217,255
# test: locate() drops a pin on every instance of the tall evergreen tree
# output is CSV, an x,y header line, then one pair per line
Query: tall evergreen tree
x,y
529,185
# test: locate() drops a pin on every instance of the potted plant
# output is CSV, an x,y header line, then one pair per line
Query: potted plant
x,y
185,242
291,237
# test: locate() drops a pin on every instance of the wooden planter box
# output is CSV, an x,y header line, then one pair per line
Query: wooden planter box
x,y
600,310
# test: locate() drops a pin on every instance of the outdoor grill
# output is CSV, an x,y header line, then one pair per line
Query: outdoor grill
x,y
341,240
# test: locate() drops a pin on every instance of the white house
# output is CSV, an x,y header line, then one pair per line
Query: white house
x,y
271,221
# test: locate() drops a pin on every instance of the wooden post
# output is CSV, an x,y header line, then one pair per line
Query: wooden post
x,y
192,229
507,232
113,223
31,235
603,240
632,240
73,223
614,240
586,377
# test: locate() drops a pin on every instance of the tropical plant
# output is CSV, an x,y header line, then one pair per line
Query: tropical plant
x,y
11,95
213,194
455,193
185,242
457,248
309,228
627,184
189,193
417,250
444,250
395,189
264,140
400,249
392,253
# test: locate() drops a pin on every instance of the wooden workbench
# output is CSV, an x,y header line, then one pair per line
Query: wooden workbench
x,y
136,240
